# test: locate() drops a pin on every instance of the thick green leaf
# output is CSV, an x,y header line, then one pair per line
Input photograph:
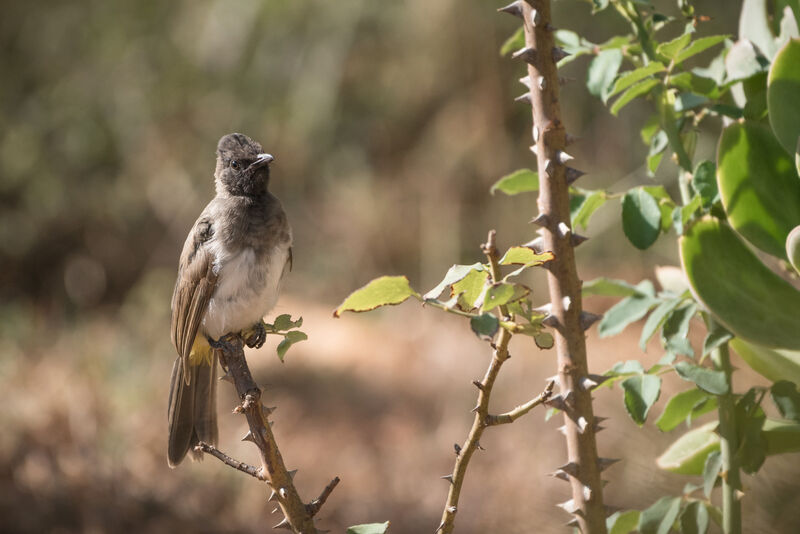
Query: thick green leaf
x,y
623,522
772,364
679,407
658,519
609,287
706,379
704,182
641,218
687,455
793,248
484,325
386,290
656,319
525,256
629,78
746,297
783,96
759,186
590,204
544,340
502,293
711,471
515,42
641,392
602,71
453,275
787,399
470,289
371,528
781,437
700,45
290,339
670,49
519,181
625,312
635,91
694,518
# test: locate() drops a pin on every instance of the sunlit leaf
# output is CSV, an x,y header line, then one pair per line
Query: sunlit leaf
x,y
687,455
694,518
783,96
641,392
386,290
659,517
699,45
515,42
524,256
709,380
635,91
453,275
623,522
630,77
371,528
602,71
679,407
519,181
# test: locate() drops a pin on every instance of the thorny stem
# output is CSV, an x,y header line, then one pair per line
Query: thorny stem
x,y
482,418
298,516
565,287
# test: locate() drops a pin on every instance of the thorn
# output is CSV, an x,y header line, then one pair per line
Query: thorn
x,y
249,437
542,83
553,379
591,381
548,166
559,53
578,239
526,81
572,522
292,473
275,510
440,527
571,175
528,55
541,220
536,17
525,98
448,478
551,321
562,429
514,8
569,139
563,157
533,149
457,448
570,468
605,463
273,496
599,419
227,377
587,320
557,402
537,245
476,408
560,474
268,410
535,133
478,445
283,524
563,229
477,384
549,27
544,308
569,506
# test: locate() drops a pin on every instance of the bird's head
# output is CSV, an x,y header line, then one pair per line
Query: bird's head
x,y
242,166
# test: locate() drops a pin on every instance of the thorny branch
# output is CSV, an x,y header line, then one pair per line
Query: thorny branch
x,y
298,516
482,417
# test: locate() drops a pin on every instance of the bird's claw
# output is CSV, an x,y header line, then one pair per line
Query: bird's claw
x,y
255,336
222,344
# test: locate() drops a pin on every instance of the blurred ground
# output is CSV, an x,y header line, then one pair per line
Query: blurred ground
x,y
389,122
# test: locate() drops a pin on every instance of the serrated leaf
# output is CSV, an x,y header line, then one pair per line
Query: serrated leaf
x,y
630,77
711,471
602,70
641,218
633,92
699,45
453,275
383,291
659,517
519,181
525,256
785,396
370,528
514,42
469,289
484,325
641,392
590,204
706,379
694,518
679,407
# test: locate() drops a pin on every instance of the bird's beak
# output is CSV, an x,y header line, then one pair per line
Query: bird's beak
x,y
261,160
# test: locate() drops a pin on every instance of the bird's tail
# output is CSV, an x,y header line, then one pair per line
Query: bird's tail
x,y
192,414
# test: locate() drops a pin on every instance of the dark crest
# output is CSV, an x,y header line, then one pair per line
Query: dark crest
x,y
242,166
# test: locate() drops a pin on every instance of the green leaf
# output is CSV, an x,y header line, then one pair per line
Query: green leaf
x,y
679,407
783,96
519,181
383,291
501,293
754,26
590,204
742,62
675,332
599,5
470,289
658,519
544,340
694,518
750,420
371,528
609,287
641,392
623,522
454,274
515,42
625,312
687,455
704,182
706,379
289,339
525,256
602,71
484,325
627,367
787,399
715,338
656,319
781,437
686,101
745,296
630,77
699,45
711,471
793,246
774,365
670,49
284,322
635,91
641,218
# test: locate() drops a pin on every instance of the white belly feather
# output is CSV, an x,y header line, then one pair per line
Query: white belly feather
x,y
246,289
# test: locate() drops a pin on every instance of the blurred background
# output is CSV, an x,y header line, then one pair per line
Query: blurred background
x,y
389,122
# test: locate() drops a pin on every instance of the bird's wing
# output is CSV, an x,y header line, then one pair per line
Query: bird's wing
x,y
193,289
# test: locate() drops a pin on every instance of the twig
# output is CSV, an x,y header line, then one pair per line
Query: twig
x,y
481,421
522,409
298,516
251,470
314,506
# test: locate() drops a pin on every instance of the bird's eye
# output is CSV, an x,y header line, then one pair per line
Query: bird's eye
x,y
234,165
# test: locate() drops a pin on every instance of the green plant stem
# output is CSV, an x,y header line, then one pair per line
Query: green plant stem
x,y
729,443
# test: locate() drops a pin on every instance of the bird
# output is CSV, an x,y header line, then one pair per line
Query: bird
x,y
229,276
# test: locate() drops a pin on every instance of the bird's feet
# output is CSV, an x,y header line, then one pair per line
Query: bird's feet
x,y
222,344
255,336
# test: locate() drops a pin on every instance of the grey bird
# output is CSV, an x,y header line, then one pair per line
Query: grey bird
x,y
229,277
